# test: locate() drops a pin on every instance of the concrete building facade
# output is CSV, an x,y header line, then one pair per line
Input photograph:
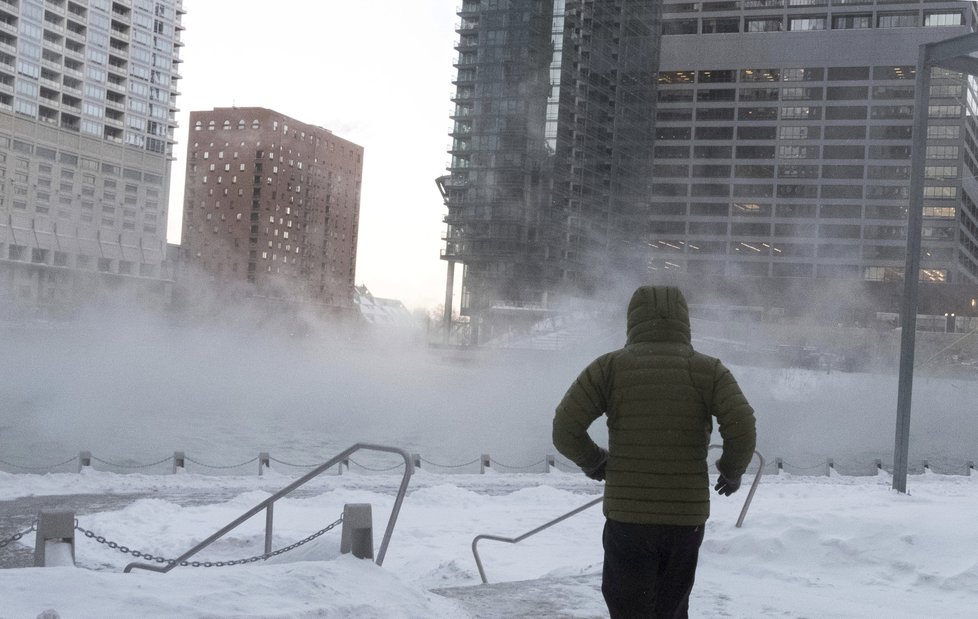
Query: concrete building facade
x,y
273,203
88,92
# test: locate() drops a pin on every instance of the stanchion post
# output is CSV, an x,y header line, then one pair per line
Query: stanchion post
x,y
484,463
551,463
263,462
55,527
970,467
779,463
417,460
358,534
339,467
84,460
926,466
179,462
830,467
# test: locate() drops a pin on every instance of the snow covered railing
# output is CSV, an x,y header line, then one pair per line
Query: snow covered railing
x,y
268,504
181,462
516,540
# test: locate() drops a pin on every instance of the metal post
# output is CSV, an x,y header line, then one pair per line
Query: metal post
x,y
908,322
339,467
269,517
551,462
830,467
449,292
780,464
358,533
417,460
84,460
484,463
926,466
263,462
971,467
56,528
179,462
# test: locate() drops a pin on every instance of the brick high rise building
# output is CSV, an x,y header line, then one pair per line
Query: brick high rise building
x,y
273,202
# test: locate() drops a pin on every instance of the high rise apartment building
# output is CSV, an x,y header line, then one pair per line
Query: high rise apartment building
x,y
88,93
783,142
274,203
547,190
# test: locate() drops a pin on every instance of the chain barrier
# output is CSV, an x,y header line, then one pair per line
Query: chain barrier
x,y
300,466
212,466
389,468
557,463
132,466
16,536
40,468
518,468
450,466
262,557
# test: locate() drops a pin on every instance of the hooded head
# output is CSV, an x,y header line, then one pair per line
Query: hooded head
x,y
658,314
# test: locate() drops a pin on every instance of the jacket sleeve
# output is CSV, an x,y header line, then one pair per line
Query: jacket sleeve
x,y
585,401
736,422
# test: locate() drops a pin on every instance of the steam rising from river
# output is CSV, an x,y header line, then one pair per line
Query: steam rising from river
x,y
136,390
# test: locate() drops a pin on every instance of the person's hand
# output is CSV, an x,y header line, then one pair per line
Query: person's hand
x,y
725,485
597,471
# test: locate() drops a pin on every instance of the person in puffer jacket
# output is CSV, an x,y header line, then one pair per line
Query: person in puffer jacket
x,y
660,397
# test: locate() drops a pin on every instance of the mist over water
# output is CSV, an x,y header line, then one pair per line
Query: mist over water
x,y
136,390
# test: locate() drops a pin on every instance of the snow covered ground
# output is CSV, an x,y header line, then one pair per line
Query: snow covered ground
x,y
810,547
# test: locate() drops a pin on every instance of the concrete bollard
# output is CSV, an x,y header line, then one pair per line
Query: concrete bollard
x,y
263,462
358,532
551,463
926,466
971,468
55,531
339,467
484,463
416,458
779,463
179,462
84,460
830,467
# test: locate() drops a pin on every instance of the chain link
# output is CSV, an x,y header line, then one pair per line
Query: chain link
x,y
149,557
507,466
389,468
450,466
40,468
17,536
305,466
211,466
132,466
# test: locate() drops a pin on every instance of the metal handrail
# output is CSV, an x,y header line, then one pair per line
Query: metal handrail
x,y
515,540
268,505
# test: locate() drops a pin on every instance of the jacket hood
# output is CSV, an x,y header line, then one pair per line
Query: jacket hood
x,y
658,314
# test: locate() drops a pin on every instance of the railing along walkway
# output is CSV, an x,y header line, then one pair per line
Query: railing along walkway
x,y
516,540
269,503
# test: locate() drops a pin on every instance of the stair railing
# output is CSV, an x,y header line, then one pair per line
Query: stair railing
x,y
269,503
520,538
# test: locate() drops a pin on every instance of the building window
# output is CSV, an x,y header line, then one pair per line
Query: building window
x,y
852,22
721,25
679,26
943,18
905,19
763,24
796,24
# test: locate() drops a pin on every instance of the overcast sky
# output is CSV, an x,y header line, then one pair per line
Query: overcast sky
x,y
375,72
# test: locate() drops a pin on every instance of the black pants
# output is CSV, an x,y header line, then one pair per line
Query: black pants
x,y
649,569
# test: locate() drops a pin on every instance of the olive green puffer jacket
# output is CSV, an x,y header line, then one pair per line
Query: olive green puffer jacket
x,y
660,397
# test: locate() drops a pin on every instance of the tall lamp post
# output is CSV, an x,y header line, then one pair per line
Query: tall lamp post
x,y
953,54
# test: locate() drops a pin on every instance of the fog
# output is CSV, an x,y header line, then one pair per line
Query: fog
x,y
135,389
